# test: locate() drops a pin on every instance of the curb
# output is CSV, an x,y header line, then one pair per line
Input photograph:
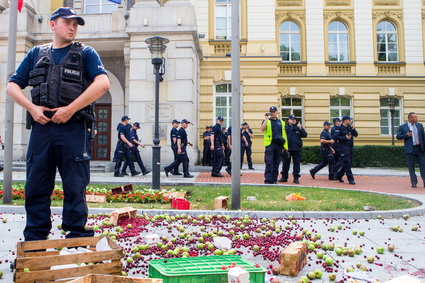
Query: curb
x,y
416,211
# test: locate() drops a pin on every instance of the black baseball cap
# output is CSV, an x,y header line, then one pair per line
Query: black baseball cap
x,y
336,120
326,123
346,118
220,118
67,13
137,124
273,109
125,117
244,124
185,121
292,117
175,122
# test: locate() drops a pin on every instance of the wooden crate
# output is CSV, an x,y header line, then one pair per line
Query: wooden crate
x,y
221,202
40,263
122,212
99,278
122,189
95,198
293,259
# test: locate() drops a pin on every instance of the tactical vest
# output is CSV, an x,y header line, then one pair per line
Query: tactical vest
x,y
58,85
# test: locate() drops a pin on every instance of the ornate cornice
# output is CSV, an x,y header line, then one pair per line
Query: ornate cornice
x,y
290,15
348,15
386,2
387,14
286,3
338,2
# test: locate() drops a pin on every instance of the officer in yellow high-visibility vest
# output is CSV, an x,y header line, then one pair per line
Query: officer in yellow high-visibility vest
x,y
275,141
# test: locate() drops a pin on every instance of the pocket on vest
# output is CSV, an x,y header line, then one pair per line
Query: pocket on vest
x,y
69,92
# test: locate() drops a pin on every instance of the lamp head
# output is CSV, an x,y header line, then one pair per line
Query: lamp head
x,y
157,46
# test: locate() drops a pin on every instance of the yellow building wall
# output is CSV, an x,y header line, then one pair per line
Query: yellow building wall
x,y
54,4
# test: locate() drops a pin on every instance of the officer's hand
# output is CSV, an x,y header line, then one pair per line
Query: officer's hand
x,y
299,125
179,151
38,115
348,137
212,147
62,115
142,145
332,141
130,144
409,133
246,144
333,151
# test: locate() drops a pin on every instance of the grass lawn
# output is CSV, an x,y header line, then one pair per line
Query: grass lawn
x,y
273,198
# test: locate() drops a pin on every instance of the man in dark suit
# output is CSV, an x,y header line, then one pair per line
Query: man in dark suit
x,y
414,145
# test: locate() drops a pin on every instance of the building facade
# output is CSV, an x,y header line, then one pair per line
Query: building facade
x,y
316,59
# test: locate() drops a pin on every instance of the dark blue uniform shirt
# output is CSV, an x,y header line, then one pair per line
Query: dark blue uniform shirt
x,y
325,135
92,64
173,134
207,134
341,136
334,132
276,128
248,138
295,135
217,132
182,135
134,136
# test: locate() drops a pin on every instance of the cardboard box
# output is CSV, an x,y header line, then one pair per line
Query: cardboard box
x,y
293,259
95,198
221,202
122,190
173,195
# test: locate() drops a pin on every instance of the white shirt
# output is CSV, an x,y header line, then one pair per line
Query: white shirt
x,y
414,130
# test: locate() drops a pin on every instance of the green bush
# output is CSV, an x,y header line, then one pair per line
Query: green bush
x,y
364,156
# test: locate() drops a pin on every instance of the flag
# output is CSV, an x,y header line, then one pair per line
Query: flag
x,y
20,4
115,1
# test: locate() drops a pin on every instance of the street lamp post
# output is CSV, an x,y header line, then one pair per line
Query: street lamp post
x,y
157,48
391,105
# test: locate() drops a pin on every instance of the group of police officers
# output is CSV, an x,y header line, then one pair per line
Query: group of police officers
x,y
283,142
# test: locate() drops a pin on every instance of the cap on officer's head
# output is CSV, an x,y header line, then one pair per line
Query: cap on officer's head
x,y
220,118
223,128
125,118
175,122
292,117
346,118
244,124
67,13
185,121
273,109
326,123
137,124
336,120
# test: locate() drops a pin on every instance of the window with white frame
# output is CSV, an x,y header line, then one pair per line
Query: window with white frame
x,y
387,42
99,6
292,106
386,116
223,19
223,103
290,41
338,44
340,107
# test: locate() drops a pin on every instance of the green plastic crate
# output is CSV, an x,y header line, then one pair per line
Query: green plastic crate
x,y
205,269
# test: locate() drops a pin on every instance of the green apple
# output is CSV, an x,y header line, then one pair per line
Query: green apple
x,y
358,250
339,251
311,247
332,276
137,255
331,246
123,273
318,274
303,279
26,269
329,261
319,255
380,250
256,248
361,233
370,259
311,275
130,260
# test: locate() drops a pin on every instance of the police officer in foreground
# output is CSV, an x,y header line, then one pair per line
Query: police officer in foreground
x,y
124,149
181,152
173,138
134,138
335,146
217,147
206,154
295,133
275,141
326,151
66,77
226,146
345,137
246,144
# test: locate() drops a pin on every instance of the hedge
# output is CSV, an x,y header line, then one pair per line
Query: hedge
x,y
364,156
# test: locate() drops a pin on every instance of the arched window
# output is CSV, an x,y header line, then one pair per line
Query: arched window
x,y
290,41
338,43
387,41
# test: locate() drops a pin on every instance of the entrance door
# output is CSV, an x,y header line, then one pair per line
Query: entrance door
x,y
102,142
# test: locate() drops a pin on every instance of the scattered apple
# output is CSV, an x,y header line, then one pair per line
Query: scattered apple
x,y
390,248
318,274
380,250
